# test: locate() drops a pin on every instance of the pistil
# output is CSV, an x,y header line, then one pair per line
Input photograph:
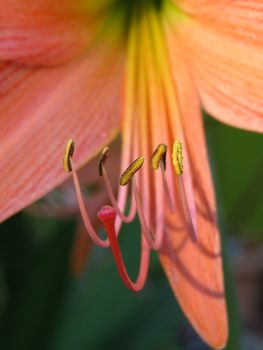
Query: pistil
x,y
107,216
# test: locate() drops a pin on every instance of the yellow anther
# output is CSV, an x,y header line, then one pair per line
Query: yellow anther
x,y
104,155
159,155
178,157
131,170
68,154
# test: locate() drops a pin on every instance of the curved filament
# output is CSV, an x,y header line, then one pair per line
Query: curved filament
x,y
92,233
168,197
192,232
153,242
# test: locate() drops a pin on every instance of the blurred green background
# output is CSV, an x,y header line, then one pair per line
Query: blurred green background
x,y
43,306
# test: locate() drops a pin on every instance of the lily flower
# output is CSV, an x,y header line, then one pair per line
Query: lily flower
x,y
91,69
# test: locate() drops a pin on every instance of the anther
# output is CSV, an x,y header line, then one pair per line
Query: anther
x,y
178,157
159,155
104,155
126,177
128,174
68,154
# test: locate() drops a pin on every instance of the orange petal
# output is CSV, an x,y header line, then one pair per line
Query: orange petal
x,y
47,32
195,270
201,6
225,52
159,118
42,108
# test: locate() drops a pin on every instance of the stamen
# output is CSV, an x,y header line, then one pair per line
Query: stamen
x,y
70,165
127,176
131,170
159,159
107,215
178,157
103,172
178,167
159,155
104,155
68,154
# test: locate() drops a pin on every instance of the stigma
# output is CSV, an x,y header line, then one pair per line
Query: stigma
x,y
150,240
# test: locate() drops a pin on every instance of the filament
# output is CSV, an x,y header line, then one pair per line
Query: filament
x,y
192,232
100,242
128,112
158,160
153,242
167,194
178,167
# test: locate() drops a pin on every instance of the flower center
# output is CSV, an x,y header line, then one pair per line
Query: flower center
x,y
151,240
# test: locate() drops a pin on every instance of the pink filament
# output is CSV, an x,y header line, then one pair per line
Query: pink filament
x,y
192,232
124,218
154,243
100,242
107,215
166,189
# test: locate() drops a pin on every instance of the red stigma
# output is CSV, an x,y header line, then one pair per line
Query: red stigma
x,y
106,213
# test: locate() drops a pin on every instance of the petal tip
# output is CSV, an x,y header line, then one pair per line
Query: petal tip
x,y
217,339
